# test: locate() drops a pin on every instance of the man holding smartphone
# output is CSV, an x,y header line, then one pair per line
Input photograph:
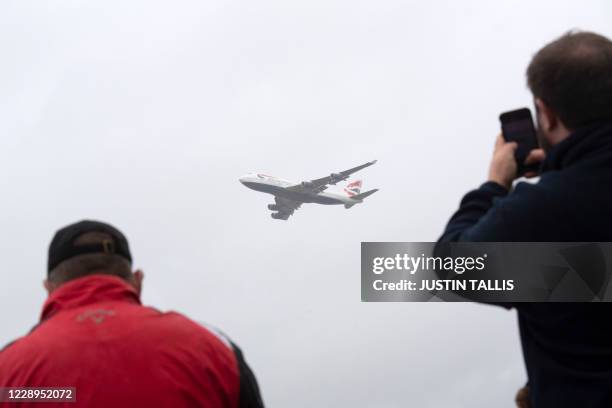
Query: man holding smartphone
x,y
567,346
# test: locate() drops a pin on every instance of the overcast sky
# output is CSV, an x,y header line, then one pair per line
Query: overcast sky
x,y
145,113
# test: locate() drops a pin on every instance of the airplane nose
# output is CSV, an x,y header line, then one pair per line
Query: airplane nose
x,y
242,179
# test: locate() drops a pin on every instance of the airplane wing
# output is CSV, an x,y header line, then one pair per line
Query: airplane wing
x,y
320,184
284,208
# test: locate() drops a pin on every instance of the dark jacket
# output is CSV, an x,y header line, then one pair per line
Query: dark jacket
x,y
567,346
95,335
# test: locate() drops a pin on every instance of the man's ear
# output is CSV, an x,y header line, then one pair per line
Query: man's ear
x,y
49,286
137,278
549,121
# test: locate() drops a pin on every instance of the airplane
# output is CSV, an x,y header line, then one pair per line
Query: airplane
x,y
289,196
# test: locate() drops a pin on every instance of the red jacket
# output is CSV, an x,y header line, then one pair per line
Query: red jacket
x,y
96,336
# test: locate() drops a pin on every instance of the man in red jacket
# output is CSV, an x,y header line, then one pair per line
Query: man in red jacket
x,y
96,338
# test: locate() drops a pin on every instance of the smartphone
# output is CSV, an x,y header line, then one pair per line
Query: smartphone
x,y
517,126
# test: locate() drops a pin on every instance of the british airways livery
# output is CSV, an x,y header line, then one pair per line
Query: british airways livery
x,y
289,196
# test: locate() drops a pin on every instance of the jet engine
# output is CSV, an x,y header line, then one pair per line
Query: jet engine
x,y
273,207
335,177
279,216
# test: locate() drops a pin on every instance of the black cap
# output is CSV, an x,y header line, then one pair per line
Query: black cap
x,y
62,245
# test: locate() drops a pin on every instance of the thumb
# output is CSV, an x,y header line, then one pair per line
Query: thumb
x,y
535,156
499,141
512,146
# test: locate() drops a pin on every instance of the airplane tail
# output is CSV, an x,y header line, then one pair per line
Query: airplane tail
x,y
364,195
353,188
359,197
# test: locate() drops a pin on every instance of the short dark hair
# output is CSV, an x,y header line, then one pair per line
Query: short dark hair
x,y
573,76
90,264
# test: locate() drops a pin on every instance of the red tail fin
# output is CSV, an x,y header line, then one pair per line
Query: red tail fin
x,y
353,188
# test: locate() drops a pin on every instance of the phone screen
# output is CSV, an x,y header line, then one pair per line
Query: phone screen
x,y
517,126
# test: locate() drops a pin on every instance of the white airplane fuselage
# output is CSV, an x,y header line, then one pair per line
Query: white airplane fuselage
x,y
279,187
